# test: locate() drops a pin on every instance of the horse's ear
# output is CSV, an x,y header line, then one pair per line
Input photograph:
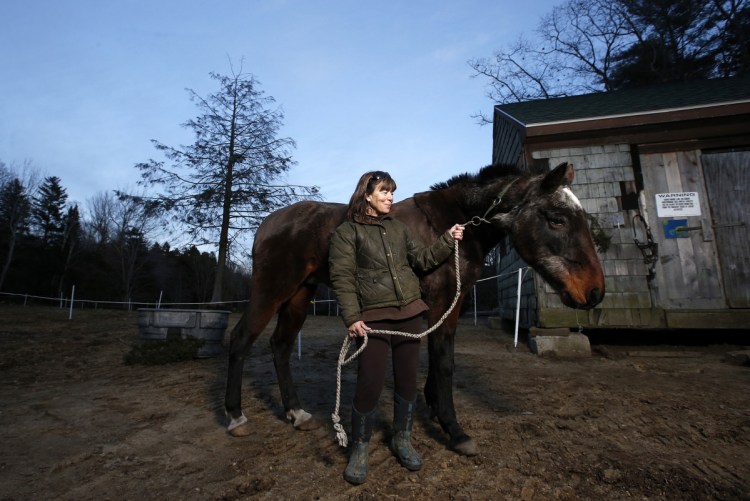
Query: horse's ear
x,y
559,176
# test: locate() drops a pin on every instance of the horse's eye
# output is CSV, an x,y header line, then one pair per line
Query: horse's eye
x,y
555,222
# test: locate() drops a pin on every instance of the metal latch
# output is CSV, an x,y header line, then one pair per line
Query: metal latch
x,y
687,228
728,225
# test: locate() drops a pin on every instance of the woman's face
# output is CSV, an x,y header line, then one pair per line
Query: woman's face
x,y
380,200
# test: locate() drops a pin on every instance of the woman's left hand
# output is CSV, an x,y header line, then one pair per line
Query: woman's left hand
x,y
457,231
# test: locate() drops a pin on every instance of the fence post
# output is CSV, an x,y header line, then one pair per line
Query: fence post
x,y
475,304
518,309
72,299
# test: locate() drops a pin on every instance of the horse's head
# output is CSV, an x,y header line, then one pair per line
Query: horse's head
x,y
549,229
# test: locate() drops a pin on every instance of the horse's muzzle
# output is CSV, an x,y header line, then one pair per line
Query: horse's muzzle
x,y
593,297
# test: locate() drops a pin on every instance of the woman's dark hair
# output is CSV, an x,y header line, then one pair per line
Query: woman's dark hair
x,y
368,183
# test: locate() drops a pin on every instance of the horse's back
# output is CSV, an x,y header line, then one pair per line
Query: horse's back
x,y
300,218
291,245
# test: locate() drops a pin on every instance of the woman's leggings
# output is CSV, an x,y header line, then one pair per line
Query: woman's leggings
x,y
372,362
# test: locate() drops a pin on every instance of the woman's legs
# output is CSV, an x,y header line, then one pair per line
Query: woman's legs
x,y
370,381
405,358
371,365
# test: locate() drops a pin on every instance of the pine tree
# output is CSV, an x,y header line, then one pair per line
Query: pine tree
x,y
15,209
48,212
227,181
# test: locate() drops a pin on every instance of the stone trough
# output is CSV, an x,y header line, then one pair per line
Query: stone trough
x,y
209,325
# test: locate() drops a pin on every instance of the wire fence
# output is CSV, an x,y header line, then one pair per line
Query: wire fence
x,y
70,301
327,307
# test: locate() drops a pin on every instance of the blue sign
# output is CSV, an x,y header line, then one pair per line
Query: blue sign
x,y
672,228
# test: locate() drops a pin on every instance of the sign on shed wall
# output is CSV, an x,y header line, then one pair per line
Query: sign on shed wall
x,y
678,204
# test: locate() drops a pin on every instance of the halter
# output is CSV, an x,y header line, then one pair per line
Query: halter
x,y
476,220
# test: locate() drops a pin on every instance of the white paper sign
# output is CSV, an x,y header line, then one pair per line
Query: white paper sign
x,y
678,204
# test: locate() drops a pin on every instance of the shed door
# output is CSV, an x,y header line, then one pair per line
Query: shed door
x,y
687,273
727,183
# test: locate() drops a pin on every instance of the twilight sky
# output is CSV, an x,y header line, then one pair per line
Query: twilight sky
x,y
364,85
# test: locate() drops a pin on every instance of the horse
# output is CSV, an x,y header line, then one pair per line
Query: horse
x,y
539,213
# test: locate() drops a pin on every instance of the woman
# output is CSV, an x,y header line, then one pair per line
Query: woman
x,y
371,261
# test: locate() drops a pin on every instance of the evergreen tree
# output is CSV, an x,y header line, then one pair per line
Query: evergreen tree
x,y
48,212
15,209
228,180
674,42
70,241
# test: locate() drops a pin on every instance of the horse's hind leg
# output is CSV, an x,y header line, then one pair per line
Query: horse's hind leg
x,y
244,334
291,317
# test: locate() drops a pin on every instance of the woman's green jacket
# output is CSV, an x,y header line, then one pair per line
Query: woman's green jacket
x,y
372,265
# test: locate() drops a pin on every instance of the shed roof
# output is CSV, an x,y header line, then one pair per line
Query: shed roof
x,y
657,98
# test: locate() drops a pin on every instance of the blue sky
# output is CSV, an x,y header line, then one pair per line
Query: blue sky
x,y
364,85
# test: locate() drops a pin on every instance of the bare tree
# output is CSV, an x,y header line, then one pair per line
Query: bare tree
x,y
121,227
98,225
586,46
132,220
572,53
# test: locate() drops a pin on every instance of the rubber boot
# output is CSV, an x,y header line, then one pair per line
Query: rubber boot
x,y
403,412
356,469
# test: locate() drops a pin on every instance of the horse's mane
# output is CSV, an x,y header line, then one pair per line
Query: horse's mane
x,y
485,175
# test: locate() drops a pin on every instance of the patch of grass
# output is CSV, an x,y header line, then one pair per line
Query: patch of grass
x,y
174,349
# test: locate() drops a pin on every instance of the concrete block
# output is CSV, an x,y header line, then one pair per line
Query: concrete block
x,y
555,331
741,357
209,325
568,345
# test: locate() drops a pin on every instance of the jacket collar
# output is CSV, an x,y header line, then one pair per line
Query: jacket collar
x,y
377,219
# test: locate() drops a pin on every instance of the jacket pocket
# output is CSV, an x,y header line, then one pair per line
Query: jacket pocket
x,y
372,286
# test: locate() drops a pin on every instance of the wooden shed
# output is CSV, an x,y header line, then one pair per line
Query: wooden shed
x,y
664,172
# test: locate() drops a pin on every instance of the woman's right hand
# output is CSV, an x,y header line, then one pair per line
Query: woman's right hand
x,y
358,329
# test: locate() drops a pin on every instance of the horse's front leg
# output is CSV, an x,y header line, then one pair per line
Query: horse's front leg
x,y
291,317
439,388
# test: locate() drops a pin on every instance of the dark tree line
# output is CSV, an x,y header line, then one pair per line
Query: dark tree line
x,y
47,246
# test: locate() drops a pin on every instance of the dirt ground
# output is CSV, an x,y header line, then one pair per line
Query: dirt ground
x,y
630,422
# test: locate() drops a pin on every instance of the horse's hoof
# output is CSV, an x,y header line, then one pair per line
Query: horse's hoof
x,y
242,430
309,425
239,427
466,447
302,420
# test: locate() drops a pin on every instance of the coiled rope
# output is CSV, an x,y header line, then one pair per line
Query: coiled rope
x,y
343,360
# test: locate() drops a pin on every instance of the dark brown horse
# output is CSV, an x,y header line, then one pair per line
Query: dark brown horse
x,y
541,216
